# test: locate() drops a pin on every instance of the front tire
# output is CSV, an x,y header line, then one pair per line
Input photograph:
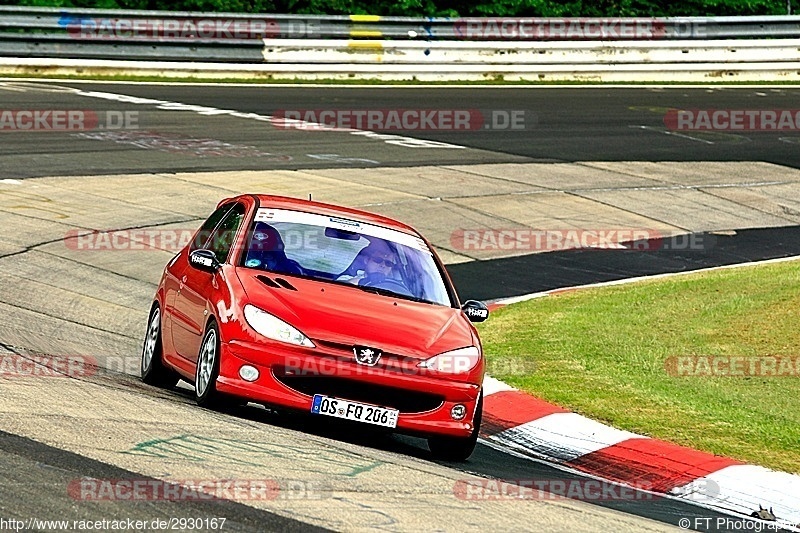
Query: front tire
x,y
153,370
458,449
207,371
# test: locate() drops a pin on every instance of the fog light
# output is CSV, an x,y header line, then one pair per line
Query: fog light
x,y
248,373
458,412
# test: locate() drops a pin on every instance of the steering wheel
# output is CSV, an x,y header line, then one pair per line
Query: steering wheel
x,y
379,281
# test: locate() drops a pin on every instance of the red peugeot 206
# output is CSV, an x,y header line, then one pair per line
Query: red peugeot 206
x,y
325,309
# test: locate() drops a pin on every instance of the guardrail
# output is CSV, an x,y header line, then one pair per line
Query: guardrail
x,y
787,72
162,27
444,53
212,45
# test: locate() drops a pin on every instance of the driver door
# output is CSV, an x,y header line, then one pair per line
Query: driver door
x,y
193,299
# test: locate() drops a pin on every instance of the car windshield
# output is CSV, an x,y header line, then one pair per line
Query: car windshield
x,y
370,257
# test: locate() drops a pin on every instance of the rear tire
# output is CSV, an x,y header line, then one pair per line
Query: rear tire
x,y
458,449
153,370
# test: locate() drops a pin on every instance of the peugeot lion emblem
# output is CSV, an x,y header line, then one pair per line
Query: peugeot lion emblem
x,y
366,355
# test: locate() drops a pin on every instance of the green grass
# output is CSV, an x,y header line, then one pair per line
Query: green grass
x,y
602,352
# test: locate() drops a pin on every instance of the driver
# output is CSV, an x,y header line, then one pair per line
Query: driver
x,y
379,262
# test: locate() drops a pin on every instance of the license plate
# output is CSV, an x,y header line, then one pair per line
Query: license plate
x,y
359,412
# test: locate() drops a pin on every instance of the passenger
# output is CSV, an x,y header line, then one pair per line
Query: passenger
x,y
267,251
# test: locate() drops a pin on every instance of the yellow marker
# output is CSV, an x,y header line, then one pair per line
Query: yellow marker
x,y
368,45
365,18
365,33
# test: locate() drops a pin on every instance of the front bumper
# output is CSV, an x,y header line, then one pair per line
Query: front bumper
x,y
289,377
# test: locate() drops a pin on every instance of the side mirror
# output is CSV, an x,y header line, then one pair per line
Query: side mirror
x,y
204,260
475,311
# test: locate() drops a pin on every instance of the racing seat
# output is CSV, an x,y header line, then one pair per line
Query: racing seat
x,y
277,262
267,251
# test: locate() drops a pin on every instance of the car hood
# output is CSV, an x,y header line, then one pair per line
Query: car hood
x,y
347,316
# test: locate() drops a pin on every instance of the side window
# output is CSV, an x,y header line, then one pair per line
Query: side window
x,y
208,226
222,239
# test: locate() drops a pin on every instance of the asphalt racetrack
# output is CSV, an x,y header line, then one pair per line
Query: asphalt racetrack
x,y
593,160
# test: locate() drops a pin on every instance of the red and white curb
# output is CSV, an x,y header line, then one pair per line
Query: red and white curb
x,y
518,422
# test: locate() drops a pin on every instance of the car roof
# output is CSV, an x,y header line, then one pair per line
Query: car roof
x,y
309,206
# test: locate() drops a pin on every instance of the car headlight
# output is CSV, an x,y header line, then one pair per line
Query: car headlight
x,y
274,328
455,361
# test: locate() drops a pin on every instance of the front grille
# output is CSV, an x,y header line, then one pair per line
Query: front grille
x,y
405,401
